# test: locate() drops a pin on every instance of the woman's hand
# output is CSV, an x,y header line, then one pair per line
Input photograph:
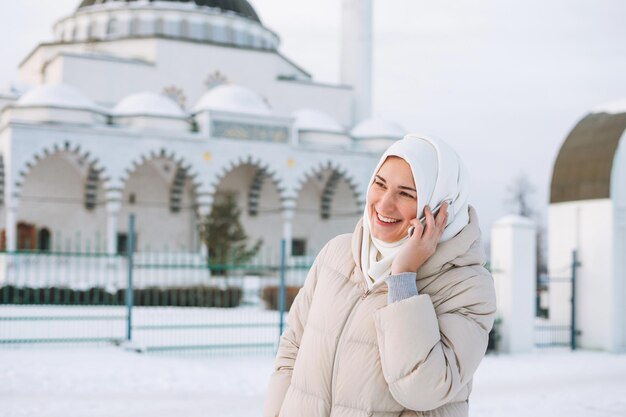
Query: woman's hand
x,y
423,243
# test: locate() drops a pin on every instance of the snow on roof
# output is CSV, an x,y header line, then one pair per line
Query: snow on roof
x,y
377,128
310,119
614,107
56,95
148,104
233,98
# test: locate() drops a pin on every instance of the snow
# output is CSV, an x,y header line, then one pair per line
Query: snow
x,y
109,381
614,107
377,128
310,119
56,95
148,104
235,99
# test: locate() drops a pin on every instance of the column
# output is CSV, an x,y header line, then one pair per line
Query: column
x,y
289,211
11,225
514,268
204,211
113,207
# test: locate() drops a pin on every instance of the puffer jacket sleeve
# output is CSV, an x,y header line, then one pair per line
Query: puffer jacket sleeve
x,y
290,342
427,358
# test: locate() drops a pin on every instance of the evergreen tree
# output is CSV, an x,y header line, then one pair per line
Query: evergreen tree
x,y
225,237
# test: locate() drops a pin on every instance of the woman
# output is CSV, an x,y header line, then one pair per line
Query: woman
x,y
394,318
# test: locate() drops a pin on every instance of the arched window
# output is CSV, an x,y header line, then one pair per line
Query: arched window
x,y
43,240
184,28
111,27
92,31
135,26
159,26
207,32
229,34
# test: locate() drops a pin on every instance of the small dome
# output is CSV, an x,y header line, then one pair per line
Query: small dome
x,y
240,7
235,99
56,95
148,104
377,128
309,119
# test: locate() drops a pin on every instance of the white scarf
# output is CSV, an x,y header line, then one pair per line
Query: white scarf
x,y
439,175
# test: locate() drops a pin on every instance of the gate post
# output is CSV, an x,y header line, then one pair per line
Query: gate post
x,y
573,300
281,292
129,285
514,269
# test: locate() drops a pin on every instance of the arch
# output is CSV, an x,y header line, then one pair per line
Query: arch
x,y
338,173
264,171
184,170
96,169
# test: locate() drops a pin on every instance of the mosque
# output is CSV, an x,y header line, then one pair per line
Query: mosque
x,y
587,213
160,108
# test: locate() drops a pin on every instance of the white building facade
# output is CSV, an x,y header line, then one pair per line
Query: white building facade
x,y
158,108
587,214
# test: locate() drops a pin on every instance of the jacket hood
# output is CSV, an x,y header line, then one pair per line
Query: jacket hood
x,y
464,249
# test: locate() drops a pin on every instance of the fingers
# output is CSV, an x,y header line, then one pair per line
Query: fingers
x,y
430,220
442,216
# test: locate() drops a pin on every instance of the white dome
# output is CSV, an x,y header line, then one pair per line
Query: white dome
x,y
56,95
377,128
148,104
615,107
309,119
233,98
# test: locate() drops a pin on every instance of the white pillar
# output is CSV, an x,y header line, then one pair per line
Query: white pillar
x,y
11,225
514,266
289,211
204,211
356,55
113,207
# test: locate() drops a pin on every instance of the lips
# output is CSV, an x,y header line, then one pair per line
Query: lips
x,y
386,221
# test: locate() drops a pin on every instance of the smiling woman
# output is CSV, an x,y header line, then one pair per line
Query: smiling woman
x,y
391,323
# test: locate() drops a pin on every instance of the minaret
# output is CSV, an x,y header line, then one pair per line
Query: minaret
x,y
356,55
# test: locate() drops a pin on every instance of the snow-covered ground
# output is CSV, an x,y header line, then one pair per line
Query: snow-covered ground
x,y
109,381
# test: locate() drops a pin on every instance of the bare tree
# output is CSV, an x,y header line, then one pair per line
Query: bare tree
x,y
519,196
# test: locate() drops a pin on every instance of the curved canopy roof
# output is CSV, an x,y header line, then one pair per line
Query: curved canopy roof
x,y
583,167
377,128
148,104
56,95
241,7
235,99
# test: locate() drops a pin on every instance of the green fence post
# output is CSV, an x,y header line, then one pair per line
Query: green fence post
x,y
129,286
281,294
573,300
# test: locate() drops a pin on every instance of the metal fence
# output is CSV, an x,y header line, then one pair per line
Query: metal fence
x,y
155,302
548,331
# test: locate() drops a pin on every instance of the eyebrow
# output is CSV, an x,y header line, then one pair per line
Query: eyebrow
x,y
402,187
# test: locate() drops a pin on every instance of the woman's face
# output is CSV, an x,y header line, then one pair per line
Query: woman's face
x,y
392,200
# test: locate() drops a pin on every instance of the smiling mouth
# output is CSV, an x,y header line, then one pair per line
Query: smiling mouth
x,y
387,220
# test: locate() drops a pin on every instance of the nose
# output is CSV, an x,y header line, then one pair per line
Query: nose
x,y
386,204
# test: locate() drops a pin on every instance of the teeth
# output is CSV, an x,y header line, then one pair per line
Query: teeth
x,y
386,219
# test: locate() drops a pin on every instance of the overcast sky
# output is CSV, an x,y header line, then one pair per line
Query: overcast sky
x,y
502,81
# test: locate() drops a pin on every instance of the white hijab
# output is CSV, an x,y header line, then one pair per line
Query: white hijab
x,y
439,175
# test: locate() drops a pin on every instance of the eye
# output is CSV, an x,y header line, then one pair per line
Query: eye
x,y
379,184
405,194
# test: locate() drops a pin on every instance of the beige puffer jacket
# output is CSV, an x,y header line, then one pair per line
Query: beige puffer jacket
x,y
346,353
